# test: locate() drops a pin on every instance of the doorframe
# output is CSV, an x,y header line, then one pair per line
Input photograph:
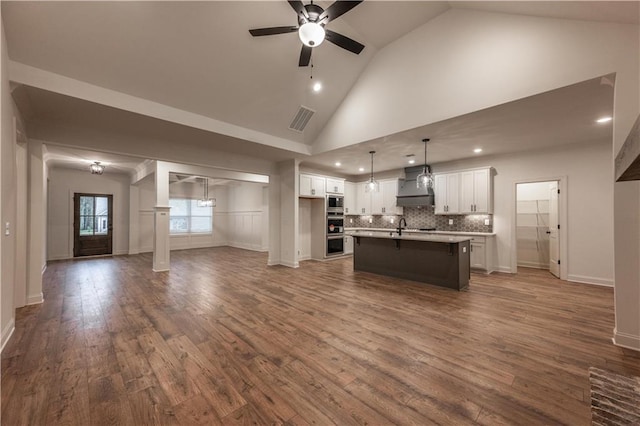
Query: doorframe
x,y
562,219
72,192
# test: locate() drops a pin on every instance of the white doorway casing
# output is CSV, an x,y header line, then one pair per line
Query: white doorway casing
x,y
562,222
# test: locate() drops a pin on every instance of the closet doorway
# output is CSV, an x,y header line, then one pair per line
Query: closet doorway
x,y
538,225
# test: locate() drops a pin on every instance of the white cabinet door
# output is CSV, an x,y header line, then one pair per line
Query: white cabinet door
x,y
447,193
389,192
377,201
335,186
305,185
312,186
475,191
349,198
348,244
478,256
467,196
482,191
363,199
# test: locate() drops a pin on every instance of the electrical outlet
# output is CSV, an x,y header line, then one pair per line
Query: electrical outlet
x,y
487,222
6,228
450,221
392,220
351,221
370,220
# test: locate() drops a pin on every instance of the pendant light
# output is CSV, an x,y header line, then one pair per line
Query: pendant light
x,y
425,179
96,168
372,185
206,201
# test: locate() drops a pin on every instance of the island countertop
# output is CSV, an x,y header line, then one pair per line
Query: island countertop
x,y
410,236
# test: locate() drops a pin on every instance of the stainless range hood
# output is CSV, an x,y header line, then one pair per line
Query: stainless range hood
x,y
409,195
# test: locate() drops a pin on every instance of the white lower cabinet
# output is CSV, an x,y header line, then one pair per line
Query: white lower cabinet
x,y
348,244
482,253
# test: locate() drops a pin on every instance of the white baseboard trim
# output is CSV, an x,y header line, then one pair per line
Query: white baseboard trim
x,y
625,340
35,299
251,247
160,270
44,268
535,265
301,258
605,282
273,262
505,269
290,264
7,332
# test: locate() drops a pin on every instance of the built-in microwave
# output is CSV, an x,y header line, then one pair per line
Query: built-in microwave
x,y
335,203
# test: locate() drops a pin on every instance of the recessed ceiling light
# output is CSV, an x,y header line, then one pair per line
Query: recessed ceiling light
x,y
477,150
338,164
603,120
317,86
361,169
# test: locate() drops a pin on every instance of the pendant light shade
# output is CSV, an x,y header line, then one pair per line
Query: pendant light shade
x,y
425,179
205,201
372,185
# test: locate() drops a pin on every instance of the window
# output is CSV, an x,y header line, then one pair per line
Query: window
x,y
187,218
94,215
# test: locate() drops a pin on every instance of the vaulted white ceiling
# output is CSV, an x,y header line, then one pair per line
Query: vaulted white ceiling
x,y
199,57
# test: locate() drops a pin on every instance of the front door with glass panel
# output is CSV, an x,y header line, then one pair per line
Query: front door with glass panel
x,y
92,224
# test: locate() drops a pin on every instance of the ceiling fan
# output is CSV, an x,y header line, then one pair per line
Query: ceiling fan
x,y
311,27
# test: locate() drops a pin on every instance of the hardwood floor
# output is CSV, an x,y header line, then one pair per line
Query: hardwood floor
x,y
224,339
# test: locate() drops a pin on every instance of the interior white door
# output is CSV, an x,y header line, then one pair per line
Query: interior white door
x,y
554,237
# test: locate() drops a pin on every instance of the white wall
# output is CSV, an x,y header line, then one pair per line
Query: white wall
x,y
8,199
464,61
589,196
62,184
247,216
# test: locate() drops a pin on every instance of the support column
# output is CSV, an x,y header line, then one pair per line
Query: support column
x,y
161,243
37,219
134,215
288,171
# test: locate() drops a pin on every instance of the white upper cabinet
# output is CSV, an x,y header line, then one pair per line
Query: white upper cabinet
x,y
363,199
475,191
387,195
446,193
350,198
312,186
335,186
382,202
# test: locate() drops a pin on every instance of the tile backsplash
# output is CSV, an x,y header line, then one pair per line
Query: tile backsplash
x,y
424,217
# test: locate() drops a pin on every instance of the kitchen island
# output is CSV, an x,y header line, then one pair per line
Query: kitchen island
x,y
441,260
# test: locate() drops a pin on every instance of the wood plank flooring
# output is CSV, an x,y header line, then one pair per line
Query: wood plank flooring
x,y
224,339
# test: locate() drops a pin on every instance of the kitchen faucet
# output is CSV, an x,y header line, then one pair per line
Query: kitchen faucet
x,y
402,219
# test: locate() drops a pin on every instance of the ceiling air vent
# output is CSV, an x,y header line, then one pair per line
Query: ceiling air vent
x,y
301,119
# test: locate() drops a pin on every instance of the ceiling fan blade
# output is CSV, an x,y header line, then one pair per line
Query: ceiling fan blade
x,y
305,56
343,41
271,31
338,9
299,8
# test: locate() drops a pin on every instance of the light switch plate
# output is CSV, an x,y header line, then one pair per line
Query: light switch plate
x,y
370,220
450,221
487,221
6,228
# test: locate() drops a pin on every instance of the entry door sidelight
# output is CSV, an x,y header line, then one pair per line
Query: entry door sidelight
x,y
92,224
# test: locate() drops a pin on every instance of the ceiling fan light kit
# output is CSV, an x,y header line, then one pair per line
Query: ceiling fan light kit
x,y
311,34
311,28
